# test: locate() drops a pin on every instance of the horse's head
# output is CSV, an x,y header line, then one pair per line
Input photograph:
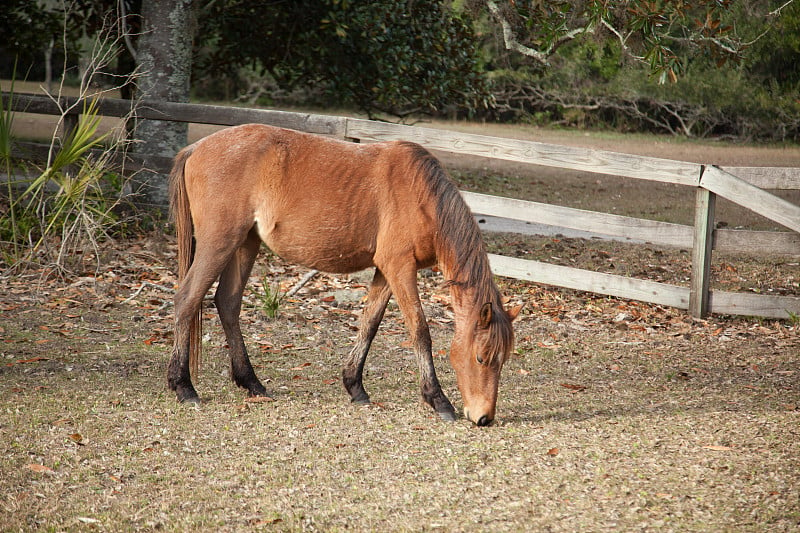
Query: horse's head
x,y
478,353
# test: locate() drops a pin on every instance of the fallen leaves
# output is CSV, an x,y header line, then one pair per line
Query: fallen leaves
x,y
259,399
41,469
717,448
26,361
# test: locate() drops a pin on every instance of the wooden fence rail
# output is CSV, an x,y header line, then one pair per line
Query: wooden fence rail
x,y
742,185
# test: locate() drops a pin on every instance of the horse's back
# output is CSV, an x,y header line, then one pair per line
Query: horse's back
x,y
319,202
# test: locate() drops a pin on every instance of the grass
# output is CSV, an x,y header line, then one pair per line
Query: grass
x,y
670,431
271,297
666,423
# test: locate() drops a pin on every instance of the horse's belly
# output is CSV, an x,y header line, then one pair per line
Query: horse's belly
x,y
333,249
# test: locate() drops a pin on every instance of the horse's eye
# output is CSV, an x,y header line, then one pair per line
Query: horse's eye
x,y
479,358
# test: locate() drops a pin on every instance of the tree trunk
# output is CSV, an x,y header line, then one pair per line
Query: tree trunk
x,y
165,57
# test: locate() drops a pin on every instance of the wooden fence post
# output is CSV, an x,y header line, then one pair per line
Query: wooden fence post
x,y
703,244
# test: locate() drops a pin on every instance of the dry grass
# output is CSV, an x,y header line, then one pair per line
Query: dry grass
x,y
648,421
613,415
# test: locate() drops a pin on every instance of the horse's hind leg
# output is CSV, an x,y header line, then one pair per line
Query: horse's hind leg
x,y
228,300
188,304
352,375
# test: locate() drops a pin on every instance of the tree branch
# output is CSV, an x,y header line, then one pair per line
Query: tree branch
x,y
125,34
777,12
510,38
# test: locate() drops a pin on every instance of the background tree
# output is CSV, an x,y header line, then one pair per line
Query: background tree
x,y
666,35
383,56
164,57
605,64
32,34
586,63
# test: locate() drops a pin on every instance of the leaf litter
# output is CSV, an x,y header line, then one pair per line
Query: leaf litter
x,y
629,391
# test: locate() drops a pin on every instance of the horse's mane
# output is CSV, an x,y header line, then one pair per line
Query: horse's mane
x,y
460,249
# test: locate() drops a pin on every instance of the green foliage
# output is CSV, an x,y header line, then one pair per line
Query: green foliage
x,y
9,225
271,297
65,208
28,29
775,57
731,65
386,57
595,81
665,35
382,56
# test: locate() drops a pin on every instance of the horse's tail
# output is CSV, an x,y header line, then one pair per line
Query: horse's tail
x,y
182,217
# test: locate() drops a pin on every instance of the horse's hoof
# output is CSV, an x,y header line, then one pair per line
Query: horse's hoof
x,y
361,401
447,416
187,394
190,400
257,391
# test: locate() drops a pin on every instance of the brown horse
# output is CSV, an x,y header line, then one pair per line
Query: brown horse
x,y
336,207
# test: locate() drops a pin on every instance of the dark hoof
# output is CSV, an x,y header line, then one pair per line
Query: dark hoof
x,y
447,416
190,400
257,390
361,400
187,394
443,407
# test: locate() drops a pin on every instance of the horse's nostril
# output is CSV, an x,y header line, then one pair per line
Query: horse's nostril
x,y
484,421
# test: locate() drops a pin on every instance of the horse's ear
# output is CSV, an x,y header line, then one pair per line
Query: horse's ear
x,y
485,317
513,313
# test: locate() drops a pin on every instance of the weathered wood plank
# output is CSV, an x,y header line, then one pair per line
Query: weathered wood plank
x,y
748,304
757,242
787,178
231,116
128,163
720,302
626,229
586,280
702,246
740,192
599,161
178,112
662,233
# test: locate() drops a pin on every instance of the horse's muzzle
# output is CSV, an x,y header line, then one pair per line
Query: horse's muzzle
x,y
483,421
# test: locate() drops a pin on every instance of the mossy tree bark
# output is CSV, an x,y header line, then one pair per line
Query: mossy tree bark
x,y
164,56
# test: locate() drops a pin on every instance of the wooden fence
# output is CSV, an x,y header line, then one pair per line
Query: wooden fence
x,y
745,186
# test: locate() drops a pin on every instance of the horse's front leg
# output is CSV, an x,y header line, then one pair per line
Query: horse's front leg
x,y
404,286
371,316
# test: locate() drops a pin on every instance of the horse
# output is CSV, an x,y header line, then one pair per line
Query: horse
x,y
337,207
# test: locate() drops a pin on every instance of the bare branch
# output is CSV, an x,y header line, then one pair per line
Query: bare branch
x,y
623,40
299,285
126,35
510,38
777,12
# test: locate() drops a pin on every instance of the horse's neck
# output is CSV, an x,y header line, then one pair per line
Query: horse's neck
x,y
471,281
467,301
462,299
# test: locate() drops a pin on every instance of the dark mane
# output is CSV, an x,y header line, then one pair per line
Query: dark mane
x,y
460,249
